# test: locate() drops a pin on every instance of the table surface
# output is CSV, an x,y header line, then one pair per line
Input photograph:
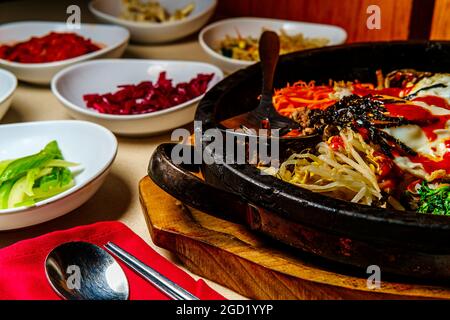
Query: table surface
x,y
118,198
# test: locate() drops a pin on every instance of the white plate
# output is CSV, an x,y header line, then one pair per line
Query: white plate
x,y
88,144
211,36
150,32
103,76
113,40
8,84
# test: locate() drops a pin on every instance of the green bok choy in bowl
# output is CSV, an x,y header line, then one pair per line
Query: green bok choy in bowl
x,y
27,180
50,168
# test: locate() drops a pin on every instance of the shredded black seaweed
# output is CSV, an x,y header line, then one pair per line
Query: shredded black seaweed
x,y
362,112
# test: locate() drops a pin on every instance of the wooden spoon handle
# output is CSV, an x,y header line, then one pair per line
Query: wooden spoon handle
x,y
269,51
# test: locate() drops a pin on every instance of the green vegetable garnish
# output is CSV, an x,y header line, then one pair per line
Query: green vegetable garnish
x,y
5,189
434,201
3,165
27,180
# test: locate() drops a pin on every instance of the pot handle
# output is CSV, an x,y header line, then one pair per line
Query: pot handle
x,y
182,184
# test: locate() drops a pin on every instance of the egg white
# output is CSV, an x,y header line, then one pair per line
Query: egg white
x,y
414,137
438,78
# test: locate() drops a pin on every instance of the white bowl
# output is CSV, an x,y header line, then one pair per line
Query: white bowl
x,y
113,38
211,36
88,144
103,76
8,84
150,32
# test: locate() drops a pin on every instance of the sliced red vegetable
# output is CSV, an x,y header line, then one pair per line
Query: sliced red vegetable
x,y
55,46
147,97
336,143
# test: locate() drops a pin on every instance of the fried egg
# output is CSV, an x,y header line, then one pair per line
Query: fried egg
x,y
420,89
432,151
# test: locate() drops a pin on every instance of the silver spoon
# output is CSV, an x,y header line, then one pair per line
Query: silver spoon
x,y
83,271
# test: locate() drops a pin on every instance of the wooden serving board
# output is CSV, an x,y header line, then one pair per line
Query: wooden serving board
x,y
254,266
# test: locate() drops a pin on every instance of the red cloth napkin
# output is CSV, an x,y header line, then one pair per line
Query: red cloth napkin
x,y
22,273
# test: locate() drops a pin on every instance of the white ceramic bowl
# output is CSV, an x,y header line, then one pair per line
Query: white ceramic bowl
x,y
8,84
113,39
148,32
88,144
103,76
211,36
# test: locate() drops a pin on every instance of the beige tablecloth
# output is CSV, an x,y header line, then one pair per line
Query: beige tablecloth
x,y
118,199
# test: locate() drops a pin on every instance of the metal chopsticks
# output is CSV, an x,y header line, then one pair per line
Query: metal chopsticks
x,y
167,286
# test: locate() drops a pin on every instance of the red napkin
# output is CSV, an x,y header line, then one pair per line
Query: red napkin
x,y
22,273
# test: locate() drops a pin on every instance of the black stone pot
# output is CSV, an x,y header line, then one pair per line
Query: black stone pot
x,y
402,243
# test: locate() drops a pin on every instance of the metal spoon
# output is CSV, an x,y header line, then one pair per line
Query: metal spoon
x,y
265,116
83,271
